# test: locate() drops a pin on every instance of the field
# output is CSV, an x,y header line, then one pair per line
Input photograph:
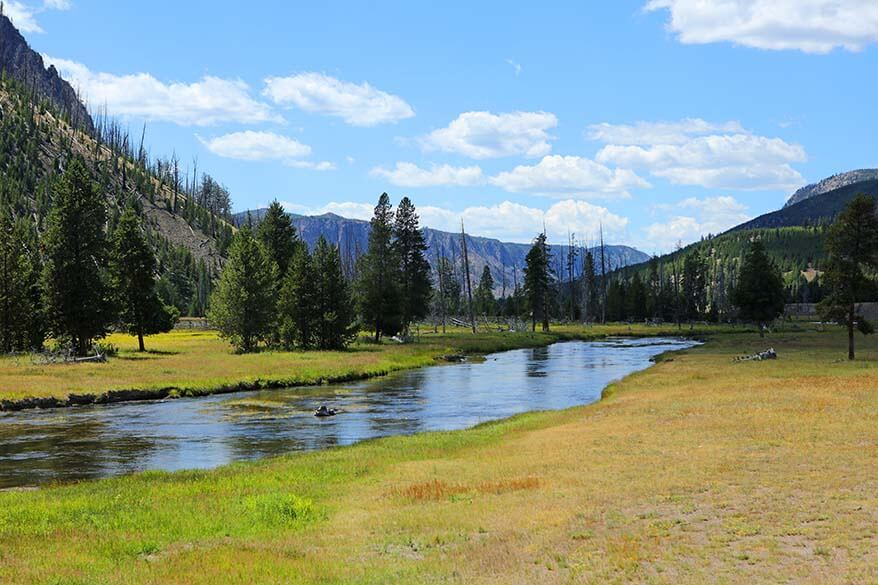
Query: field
x,y
697,470
196,362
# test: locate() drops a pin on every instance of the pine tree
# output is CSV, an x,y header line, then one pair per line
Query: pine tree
x,y
590,286
484,297
336,326
278,235
852,245
537,281
243,305
77,296
414,279
378,289
450,286
760,291
15,294
636,299
299,302
133,269
694,286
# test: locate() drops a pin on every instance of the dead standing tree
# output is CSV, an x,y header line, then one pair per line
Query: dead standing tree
x,y
468,282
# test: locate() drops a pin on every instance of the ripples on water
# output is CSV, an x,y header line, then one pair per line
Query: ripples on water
x,y
99,441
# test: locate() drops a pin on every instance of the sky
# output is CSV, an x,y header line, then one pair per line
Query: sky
x,y
660,121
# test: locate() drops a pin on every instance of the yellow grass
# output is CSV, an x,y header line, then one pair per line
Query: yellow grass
x,y
697,470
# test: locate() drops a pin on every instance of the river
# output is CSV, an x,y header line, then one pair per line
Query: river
x,y
42,446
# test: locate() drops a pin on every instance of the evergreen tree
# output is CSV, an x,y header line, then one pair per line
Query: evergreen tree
x,y
694,286
636,299
852,245
278,236
378,289
590,285
133,267
414,279
484,297
450,286
15,294
655,290
299,304
77,296
336,328
537,282
760,291
243,305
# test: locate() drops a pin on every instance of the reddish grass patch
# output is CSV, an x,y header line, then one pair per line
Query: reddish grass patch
x,y
439,490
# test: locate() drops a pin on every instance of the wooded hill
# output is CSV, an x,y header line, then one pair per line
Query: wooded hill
x,y
42,130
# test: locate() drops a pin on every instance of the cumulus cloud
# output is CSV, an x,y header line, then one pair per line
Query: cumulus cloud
x,y
207,102
482,135
254,146
506,221
24,16
569,174
692,218
812,26
407,174
691,153
357,105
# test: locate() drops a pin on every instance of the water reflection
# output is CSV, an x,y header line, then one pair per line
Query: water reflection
x,y
81,443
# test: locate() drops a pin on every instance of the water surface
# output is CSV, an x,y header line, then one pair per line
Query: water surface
x,y
99,441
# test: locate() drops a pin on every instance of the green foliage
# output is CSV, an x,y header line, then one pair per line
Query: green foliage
x,y
537,281
278,235
415,285
336,319
379,298
298,303
242,307
760,292
450,290
852,244
77,296
19,310
483,298
133,267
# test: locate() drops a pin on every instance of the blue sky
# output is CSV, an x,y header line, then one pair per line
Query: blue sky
x,y
660,120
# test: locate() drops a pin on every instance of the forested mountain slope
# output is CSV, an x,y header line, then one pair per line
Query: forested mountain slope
x,y
43,126
831,184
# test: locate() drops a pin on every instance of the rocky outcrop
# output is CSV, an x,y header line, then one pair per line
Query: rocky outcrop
x,y
18,61
831,184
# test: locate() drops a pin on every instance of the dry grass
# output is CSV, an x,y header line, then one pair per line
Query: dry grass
x,y
697,470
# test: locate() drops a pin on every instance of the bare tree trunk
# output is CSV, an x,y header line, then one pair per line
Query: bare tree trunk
x,y
469,283
851,317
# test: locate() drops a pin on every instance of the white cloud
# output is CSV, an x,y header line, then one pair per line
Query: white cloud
x,y
207,102
696,218
812,26
515,65
482,135
407,174
568,174
659,132
683,154
24,17
507,221
358,105
250,145
57,4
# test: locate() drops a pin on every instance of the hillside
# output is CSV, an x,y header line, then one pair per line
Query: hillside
x,y
815,210
831,184
506,260
43,125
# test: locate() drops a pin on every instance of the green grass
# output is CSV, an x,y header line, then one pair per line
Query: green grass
x,y
696,470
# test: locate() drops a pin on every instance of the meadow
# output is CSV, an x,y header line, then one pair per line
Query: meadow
x,y
199,362
697,470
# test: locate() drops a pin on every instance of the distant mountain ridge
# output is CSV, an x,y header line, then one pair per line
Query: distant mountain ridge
x,y
505,259
831,184
18,61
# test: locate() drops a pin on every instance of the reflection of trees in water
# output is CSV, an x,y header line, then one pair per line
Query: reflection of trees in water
x,y
66,450
536,365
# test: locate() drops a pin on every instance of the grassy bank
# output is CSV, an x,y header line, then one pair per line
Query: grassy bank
x,y
190,363
697,470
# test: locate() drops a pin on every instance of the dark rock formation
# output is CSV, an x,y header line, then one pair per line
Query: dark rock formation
x,y
18,61
831,184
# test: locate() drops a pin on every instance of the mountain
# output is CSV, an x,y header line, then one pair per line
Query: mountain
x,y
18,61
831,184
43,125
506,260
820,208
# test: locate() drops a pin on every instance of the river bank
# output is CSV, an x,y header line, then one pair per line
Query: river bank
x,y
199,363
